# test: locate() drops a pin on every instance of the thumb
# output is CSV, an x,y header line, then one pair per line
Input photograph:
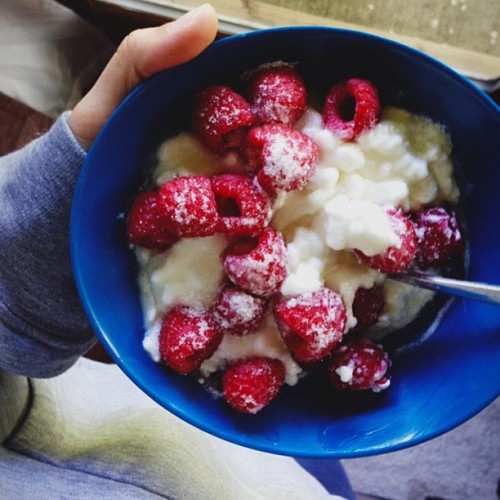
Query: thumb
x,y
141,54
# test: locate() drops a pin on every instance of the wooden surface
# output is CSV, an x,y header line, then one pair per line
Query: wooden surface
x,y
19,124
467,24
463,34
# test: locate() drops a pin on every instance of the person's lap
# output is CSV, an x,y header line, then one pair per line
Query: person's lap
x,y
92,428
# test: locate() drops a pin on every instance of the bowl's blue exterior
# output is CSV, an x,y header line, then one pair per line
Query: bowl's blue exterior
x,y
436,386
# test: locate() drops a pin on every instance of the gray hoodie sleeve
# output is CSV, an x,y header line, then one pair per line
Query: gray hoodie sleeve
x,y
43,328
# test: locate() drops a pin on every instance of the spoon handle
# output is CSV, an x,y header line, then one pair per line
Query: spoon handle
x,y
466,289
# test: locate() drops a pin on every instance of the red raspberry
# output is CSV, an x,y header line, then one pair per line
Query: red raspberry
x,y
288,158
358,364
438,237
237,312
244,208
258,265
249,384
351,107
277,94
188,205
188,337
395,258
256,138
145,227
311,323
367,306
220,117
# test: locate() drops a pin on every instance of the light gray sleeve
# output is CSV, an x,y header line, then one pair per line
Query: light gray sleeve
x,y
43,328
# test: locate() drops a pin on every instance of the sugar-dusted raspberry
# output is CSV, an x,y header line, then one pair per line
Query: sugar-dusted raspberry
x,y
145,227
438,237
399,256
188,205
258,265
249,384
256,138
351,107
288,158
277,94
237,312
220,117
359,364
367,306
311,323
188,337
243,207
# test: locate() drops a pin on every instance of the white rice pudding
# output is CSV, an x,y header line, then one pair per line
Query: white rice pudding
x,y
404,161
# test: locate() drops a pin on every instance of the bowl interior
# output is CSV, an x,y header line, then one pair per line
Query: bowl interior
x,y
436,385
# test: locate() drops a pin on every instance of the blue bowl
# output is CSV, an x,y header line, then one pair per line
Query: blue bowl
x,y
437,384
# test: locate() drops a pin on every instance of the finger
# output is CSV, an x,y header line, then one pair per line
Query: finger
x,y
141,54
154,49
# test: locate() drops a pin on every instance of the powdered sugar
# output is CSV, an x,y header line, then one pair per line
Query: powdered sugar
x,y
236,312
311,323
263,269
290,160
276,94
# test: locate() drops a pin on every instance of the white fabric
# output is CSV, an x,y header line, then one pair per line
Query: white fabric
x,y
92,420
47,54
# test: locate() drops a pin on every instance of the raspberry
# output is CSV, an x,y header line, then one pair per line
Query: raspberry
x,y
145,227
351,107
367,306
359,364
438,237
244,208
220,117
249,384
395,258
188,205
258,265
187,338
288,158
277,94
256,138
237,312
311,323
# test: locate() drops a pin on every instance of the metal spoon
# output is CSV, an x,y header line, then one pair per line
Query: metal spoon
x,y
467,289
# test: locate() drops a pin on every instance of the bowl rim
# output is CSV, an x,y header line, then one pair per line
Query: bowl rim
x,y
395,44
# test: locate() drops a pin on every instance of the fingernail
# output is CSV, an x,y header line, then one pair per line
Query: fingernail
x,y
190,16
